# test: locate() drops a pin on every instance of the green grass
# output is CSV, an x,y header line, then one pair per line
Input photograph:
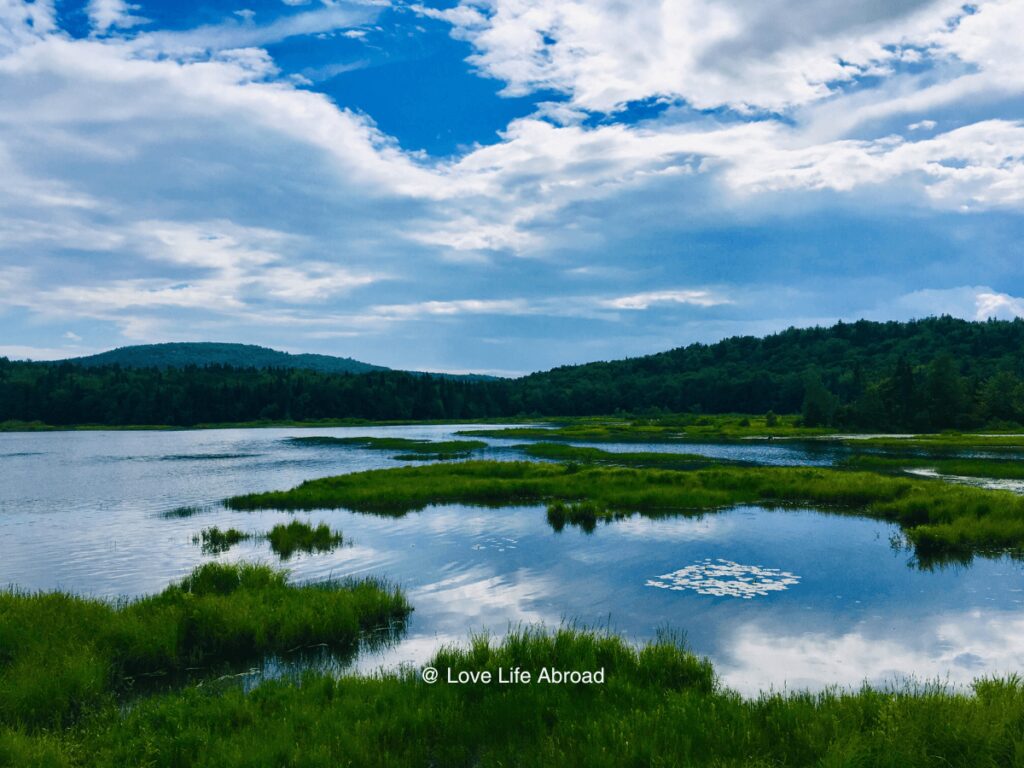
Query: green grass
x,y
188,511
938,518
62,655
659,706
571,453
413,450
945,441
214,541
297,536
285,539
666,429
1003,469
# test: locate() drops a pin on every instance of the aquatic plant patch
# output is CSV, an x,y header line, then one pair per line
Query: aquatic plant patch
x,y
939,518
724,578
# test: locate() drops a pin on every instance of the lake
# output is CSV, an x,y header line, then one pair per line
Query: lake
x,y
777,598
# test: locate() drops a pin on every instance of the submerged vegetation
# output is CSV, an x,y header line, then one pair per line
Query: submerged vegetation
x,y
297,536
657,705
412,450
938,518
61,655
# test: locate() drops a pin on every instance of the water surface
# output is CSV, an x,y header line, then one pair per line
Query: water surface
x,y
777,598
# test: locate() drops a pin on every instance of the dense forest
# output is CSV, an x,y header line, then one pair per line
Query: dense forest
x,y
923,375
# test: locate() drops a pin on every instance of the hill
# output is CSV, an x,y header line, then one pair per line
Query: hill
x,y
183,354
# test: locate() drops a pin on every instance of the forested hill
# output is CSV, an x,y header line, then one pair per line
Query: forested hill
x,y
183,354
928,374
753,375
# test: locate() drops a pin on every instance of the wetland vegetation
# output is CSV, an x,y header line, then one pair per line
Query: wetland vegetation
x,y
285,538
410,450
937,518
658,705
62,655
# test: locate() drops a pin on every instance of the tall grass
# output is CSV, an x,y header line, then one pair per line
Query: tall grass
x,y
937,517
297,536
658,706
214,541
61,654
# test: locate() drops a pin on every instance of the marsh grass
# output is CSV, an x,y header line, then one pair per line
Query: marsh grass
x,y
1002,469
61,655
412,450
939,518
572,453
214,541
666,429
659,706
297,536
186,511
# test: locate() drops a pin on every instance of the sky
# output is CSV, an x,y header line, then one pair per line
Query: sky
x,y
502,186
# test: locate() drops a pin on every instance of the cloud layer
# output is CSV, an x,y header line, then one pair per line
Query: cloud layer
x,y
689,170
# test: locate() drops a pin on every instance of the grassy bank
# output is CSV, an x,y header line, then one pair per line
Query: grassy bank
x,y
943,442
657,706
62,655
937,517
411,450
1003,469
572,453
665,429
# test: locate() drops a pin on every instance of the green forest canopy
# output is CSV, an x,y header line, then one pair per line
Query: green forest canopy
x,y
921,375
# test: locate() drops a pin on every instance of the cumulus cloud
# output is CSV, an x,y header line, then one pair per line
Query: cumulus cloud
x,y
747,55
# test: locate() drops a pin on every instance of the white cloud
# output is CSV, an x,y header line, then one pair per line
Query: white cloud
x,y
646,300
967,302
764,55
107,14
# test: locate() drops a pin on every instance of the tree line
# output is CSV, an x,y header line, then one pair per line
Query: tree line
x,y
929,374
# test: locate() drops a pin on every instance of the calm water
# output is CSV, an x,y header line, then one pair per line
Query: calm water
x,y
777,598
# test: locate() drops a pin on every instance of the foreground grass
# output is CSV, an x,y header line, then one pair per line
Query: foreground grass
x,y
412,450
938,518
658,706
62,655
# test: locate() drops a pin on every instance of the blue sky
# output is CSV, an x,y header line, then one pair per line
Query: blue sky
x,y
502,185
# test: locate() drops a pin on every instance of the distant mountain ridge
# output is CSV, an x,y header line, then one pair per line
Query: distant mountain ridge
x,y
203,353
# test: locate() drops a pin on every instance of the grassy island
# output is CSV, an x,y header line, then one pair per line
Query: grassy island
x,y
410,450
938,518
